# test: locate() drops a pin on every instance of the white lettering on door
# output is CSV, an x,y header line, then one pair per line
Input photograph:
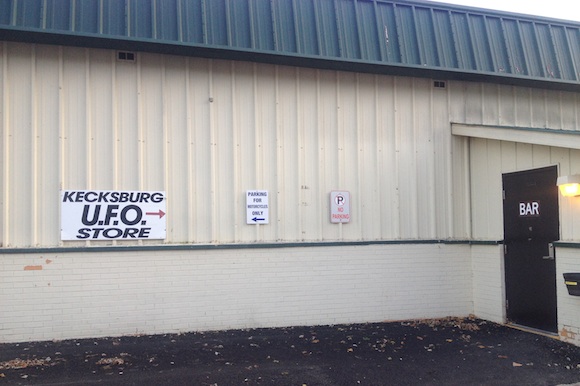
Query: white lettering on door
x,y
529,209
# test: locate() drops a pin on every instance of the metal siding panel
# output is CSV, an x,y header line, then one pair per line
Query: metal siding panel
x,y
100,89
224,170
6,11
311,200
166,20
58,15
480,43
531,49
507,108
4,133
368,192
348,150
239,24
372,37
388,21
263,25
177,139
245,151
192,21
444,37
152,122
285,26
426,36
288,194
497,40
328,33
407,35
47,179
547,53
387,173
75,116
28,13
267,147
574,40
115,17
425,158
216,22
140,19
328,139
514,40
125,125
19,147
563,53
87,15
406,158
201,150
463,41
348,28
443,198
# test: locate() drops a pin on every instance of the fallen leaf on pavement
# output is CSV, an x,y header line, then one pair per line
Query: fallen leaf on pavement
x,y
516,364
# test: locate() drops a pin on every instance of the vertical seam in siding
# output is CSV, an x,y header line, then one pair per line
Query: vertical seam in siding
x,y
258,134
115,118
166,143
360,161
213,155
237,158
62,127
449,169
340,142
190,167
35,164
300,152
280,161
378,153
140,129
320,149
6,150
89,184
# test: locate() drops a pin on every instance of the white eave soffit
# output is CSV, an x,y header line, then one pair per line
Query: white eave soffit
x,y
535,136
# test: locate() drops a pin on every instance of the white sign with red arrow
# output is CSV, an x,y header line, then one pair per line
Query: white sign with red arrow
x,y
112,215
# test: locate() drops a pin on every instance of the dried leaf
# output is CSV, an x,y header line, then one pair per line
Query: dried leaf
x,y
516,364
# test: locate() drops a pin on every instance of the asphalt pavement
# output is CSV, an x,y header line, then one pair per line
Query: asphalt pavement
x,y
450,351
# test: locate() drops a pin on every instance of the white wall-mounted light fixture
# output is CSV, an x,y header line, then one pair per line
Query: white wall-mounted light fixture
x,y
569,185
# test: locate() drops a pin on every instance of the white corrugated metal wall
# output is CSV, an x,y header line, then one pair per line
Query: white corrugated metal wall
x,y
205,131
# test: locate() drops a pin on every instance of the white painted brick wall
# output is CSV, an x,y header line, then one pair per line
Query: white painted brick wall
x,y
488,282
78,295
567,260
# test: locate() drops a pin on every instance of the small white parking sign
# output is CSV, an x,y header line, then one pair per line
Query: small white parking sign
x,y
257,207
339,207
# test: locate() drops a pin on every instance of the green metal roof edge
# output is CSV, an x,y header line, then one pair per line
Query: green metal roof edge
x,y
410,38
76,39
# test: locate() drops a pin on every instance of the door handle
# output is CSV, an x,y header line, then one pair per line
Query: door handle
x,y
551,254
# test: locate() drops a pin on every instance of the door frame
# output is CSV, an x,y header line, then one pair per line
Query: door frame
x,y
550,305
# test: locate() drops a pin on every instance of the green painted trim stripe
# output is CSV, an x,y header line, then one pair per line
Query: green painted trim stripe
x,y
566,244
192,247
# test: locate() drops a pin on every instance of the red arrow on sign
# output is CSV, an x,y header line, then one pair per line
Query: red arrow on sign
x,y
160,213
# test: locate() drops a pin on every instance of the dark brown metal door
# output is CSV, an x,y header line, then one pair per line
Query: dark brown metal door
x,y
531,224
